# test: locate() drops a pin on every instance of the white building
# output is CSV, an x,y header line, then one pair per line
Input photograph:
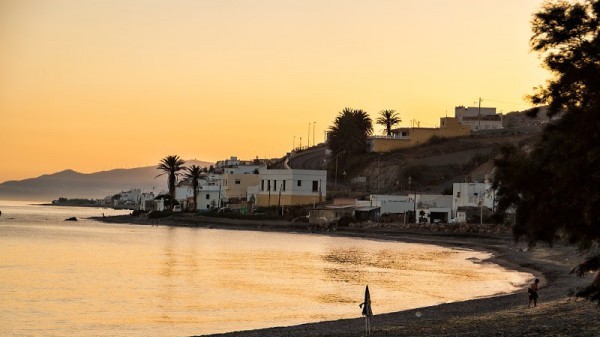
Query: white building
x,y
209,197
428,207
434,208
478,118
472,195
389,204
147,201
291,187
210,192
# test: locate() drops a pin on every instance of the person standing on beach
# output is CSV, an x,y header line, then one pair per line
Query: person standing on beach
x,y
533,295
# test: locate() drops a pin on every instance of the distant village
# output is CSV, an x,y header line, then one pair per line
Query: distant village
x,y
247,187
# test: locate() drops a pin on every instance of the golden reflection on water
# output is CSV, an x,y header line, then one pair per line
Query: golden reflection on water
x,y
92,279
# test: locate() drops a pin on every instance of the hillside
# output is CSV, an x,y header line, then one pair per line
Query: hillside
x,y
433,167
71,184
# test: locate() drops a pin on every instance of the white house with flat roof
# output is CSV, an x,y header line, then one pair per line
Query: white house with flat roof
x,y
472,195
478,118
428,207
289,187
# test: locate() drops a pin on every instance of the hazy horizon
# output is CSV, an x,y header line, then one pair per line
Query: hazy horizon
x,y
98,85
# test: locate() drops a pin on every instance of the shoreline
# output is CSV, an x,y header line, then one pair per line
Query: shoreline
x,y
557,314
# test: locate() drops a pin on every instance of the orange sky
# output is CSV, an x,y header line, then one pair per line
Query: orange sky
x,y
101,84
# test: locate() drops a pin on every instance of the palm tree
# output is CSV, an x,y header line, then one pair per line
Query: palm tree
x,y
350,131
388,118
171,165
192,174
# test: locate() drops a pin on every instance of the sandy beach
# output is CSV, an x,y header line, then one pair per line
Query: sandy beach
x,y
557,313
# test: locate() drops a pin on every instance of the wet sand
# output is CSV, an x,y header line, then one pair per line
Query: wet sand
x,y
557,313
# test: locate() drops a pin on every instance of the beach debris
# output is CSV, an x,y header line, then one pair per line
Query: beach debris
x,y
71,219
418,314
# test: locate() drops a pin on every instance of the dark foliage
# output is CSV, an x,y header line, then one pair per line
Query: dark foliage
x,y
349,133
555,186
159,214
171,166
192,174
388,118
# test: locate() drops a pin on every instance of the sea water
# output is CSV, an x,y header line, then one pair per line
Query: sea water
x,y
86,278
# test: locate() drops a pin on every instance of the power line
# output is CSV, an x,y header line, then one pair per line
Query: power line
x,y
505,102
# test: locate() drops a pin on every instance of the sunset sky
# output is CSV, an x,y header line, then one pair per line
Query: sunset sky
x,y
101,84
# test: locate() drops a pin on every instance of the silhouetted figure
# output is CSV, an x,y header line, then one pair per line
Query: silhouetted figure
x,y
533,295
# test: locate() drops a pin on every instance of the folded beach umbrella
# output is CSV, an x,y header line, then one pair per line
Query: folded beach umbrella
x,y
366,311
366,305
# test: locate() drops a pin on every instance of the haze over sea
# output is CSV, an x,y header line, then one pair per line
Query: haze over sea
x,y
87,278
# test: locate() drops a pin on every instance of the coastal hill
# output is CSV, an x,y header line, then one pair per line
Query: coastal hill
x,y
71,184
432,167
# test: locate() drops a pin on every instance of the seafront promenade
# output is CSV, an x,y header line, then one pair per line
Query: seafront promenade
x,y
558,314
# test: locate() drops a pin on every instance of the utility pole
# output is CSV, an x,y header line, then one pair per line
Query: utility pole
x,y
314,126
479,126
378,172
308,139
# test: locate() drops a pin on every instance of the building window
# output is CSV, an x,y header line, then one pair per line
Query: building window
x,y
283,185
262,185
274,185
268,185
207,196
315,186
237,182
299,183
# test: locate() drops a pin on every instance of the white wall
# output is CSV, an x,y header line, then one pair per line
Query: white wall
x,y
472,195
208,197
271,180
392,204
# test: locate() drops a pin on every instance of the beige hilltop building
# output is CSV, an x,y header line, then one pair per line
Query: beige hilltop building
x,y
465,121
402,138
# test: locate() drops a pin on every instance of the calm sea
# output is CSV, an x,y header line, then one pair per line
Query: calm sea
x,y
85,278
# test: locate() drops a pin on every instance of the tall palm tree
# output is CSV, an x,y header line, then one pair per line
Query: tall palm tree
x,y
388,118
192,174
350,131
171,165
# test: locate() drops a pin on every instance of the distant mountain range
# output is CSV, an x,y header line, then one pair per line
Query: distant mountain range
x,y
71,184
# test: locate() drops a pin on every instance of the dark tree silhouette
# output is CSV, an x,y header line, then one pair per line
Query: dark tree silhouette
x,y
349,132
171,166
555,186
192,174
388,118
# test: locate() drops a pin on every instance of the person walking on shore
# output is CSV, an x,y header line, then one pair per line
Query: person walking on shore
x,y
533,295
